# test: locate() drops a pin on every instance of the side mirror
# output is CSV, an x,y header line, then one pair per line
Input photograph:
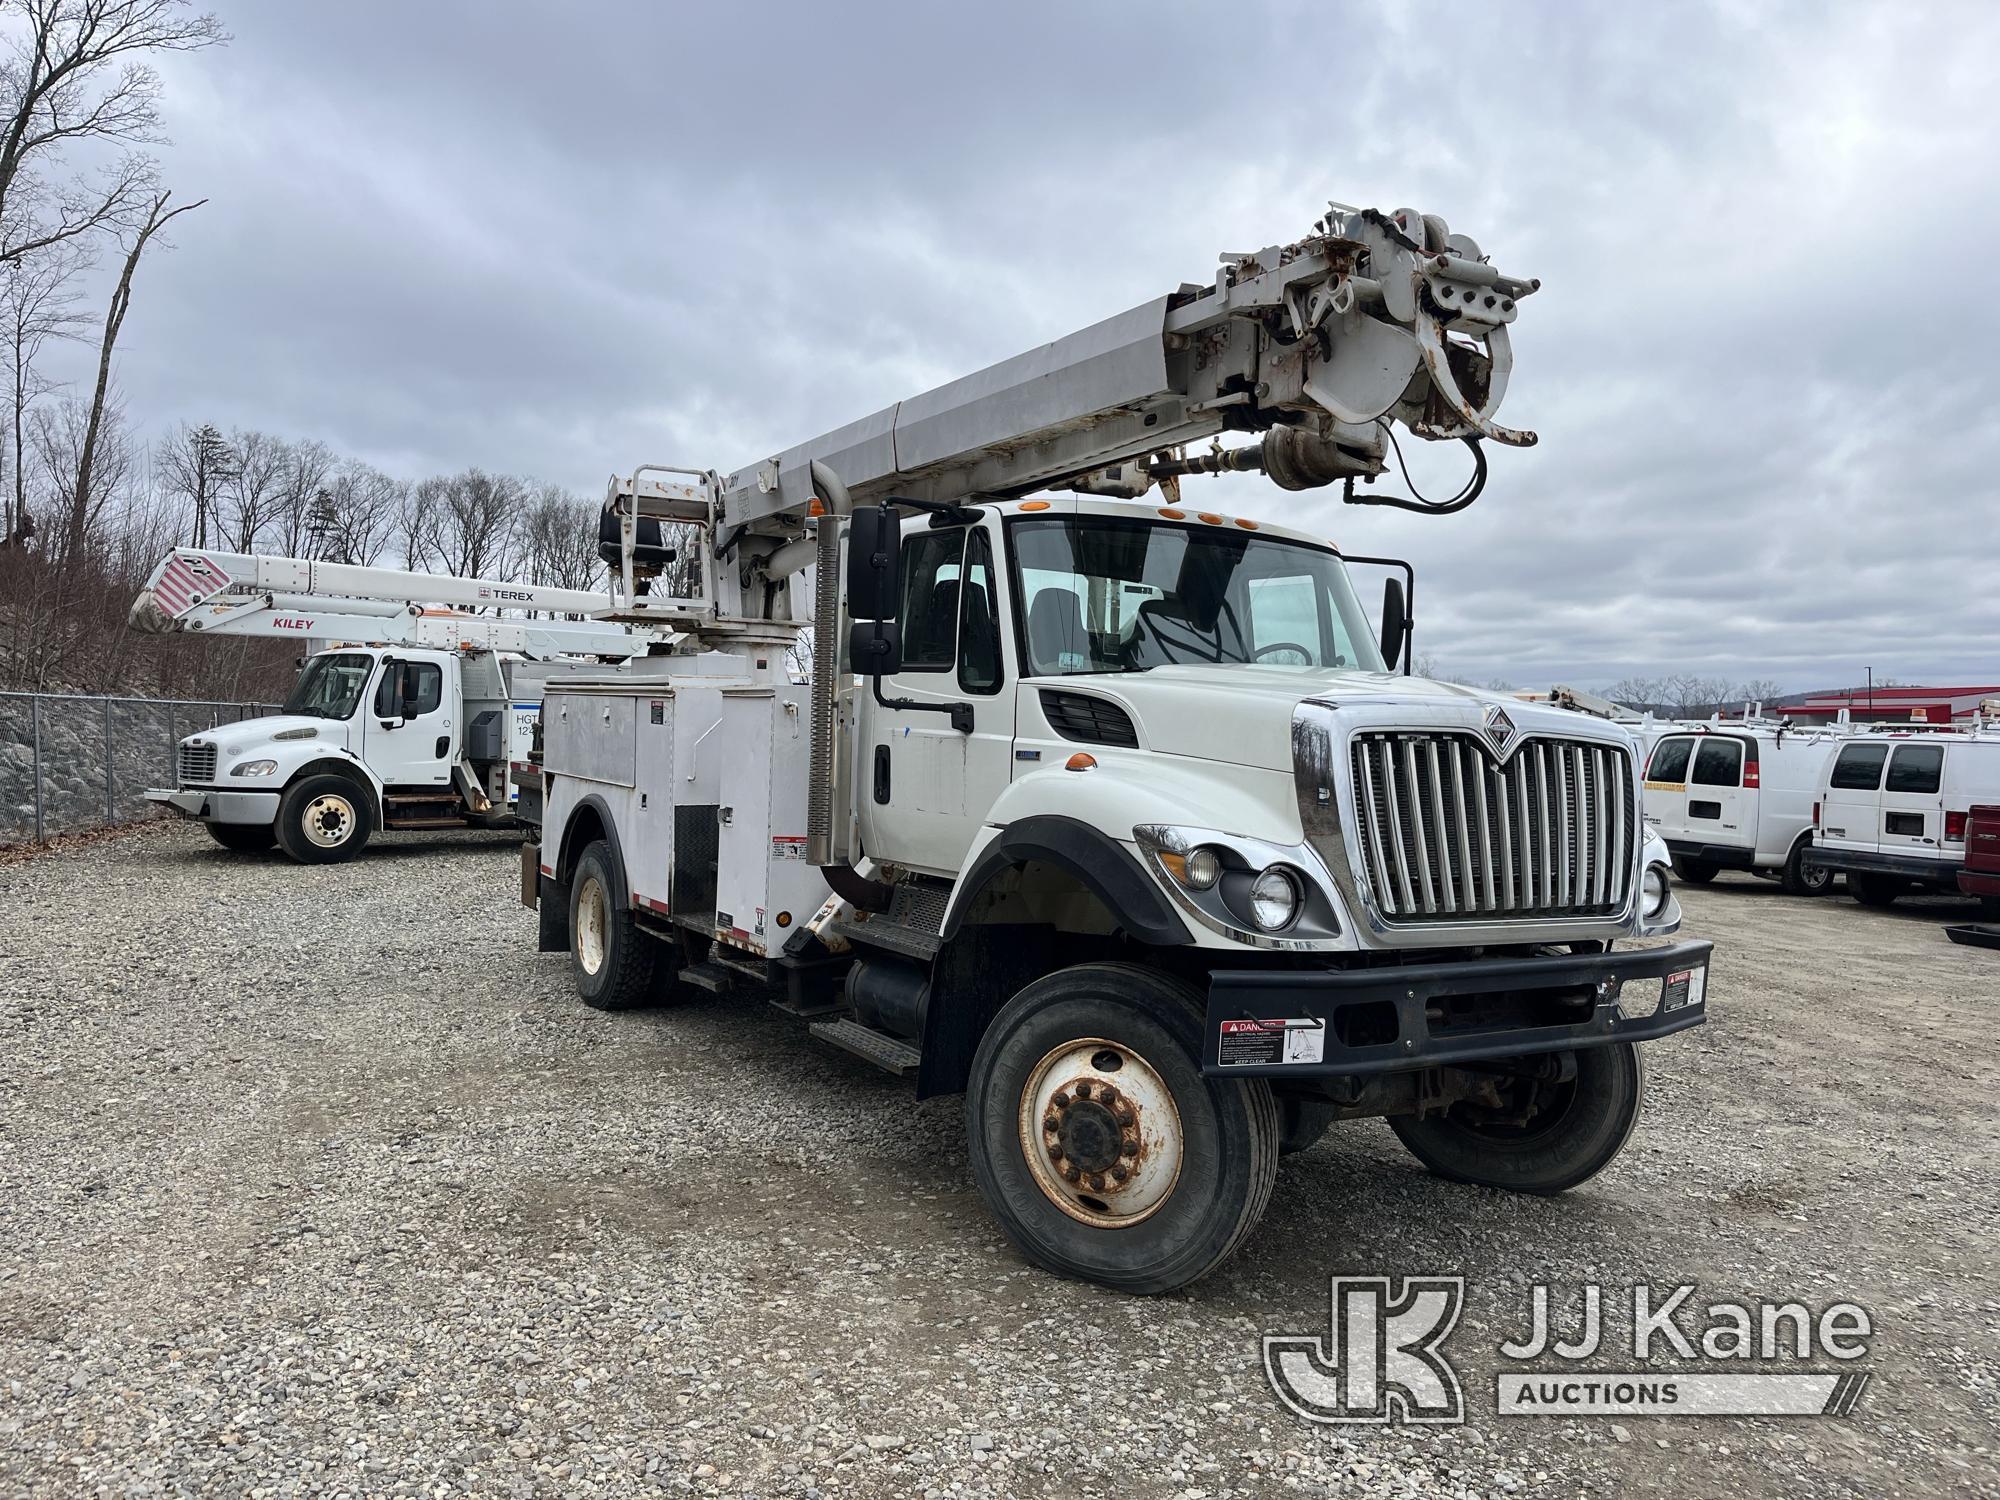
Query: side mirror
x,y
874,565
409,703
875,648
1395,639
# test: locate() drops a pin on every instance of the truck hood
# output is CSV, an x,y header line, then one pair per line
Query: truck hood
x,y
236,740
1243,713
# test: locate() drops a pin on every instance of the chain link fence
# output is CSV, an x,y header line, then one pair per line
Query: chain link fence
x,y
69,763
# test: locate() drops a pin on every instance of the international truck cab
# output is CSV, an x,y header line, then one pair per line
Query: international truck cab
x,y
1111,812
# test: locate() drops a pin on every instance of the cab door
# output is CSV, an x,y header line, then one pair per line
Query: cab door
x,y
1850,810
1913,800
418,750
926,785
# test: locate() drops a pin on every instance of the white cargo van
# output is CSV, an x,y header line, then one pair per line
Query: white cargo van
x,y
1893,810
1740,797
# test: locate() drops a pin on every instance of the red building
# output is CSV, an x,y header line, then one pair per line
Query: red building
x,y
1890,705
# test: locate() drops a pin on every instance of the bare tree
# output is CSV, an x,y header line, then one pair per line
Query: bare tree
x,y
354,514
558,535
1758,690
38,304
1638,692
302,473
198,464
78,76
157,218
466,524
253,489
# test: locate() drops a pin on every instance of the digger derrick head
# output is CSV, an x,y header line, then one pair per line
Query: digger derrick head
x,y
1373,318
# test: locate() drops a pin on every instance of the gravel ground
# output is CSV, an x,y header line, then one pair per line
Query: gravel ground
x,y
319,1181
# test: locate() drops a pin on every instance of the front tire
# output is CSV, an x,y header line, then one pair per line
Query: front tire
x,y
611,959
1576,1131
1874,890
324,819
1801,879
1694,871
1100,1148
243,838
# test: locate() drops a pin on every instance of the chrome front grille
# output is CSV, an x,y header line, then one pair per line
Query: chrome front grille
x,y
197,765
1447,834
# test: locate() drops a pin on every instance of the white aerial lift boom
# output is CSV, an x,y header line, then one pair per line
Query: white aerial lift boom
x,y
1111,812
410,717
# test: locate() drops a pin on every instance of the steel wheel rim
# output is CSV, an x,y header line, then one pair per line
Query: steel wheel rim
x,y
591,920
1090,1109
329,820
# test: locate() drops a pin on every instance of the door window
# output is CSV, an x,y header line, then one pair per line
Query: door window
x,y
1916,768
978,629
1718,763
1858,768
418,683
1670,760
932,562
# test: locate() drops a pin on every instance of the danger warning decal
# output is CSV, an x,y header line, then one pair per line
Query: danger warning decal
x,y
1245,1044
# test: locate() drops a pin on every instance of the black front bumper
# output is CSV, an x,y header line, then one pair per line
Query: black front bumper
x,y
1316,1023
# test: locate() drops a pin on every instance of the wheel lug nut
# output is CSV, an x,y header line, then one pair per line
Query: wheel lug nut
x,y
1097,1182
1107,1093
1125,1114
1052,1124
1121,1171
1083,1091
1061,1100
1055,1151
1070,1173
1129,1148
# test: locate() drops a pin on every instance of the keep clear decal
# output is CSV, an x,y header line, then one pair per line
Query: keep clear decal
x,y
1246,1044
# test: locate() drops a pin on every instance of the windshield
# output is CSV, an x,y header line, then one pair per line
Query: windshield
x,y
330,686
1108,594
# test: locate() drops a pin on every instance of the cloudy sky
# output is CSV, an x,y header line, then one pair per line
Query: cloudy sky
x,y
559,240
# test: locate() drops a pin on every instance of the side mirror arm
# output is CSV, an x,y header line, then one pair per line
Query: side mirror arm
x,y
961,713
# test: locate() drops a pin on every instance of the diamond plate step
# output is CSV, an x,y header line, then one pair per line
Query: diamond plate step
x,y
886,1052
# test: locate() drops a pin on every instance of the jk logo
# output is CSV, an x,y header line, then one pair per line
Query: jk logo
x,y
1381,1362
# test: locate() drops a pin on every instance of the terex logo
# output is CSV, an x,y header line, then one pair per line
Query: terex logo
x,y
290,622
1381,1362
520,594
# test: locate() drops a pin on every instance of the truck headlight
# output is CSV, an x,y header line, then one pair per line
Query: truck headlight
x,y
1654,892
1274,898
254,768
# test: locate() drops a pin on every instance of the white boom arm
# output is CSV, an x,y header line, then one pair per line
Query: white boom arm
x,y
232,593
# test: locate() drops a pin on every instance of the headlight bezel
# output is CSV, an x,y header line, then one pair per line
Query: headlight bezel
x,y
254,768
1315,924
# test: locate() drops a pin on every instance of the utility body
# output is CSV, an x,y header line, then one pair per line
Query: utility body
x,y
1738,795
413,726
1894,812
1114,812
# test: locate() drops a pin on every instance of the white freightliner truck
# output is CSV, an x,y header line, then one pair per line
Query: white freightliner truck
x,y
413,726
1112,811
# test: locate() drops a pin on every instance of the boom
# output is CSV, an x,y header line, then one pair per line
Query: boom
x,y
229,593
1318,346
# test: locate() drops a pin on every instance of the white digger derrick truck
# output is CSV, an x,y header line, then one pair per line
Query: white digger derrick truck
x,y
413,725
1113,812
